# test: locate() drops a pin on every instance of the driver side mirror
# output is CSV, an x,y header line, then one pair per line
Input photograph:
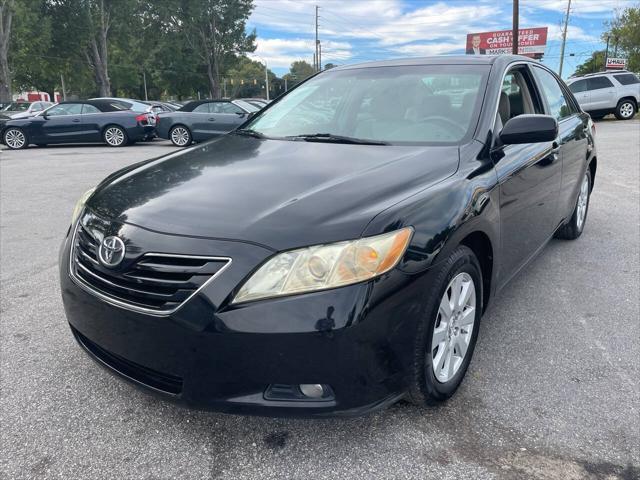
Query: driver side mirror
x,y
529,129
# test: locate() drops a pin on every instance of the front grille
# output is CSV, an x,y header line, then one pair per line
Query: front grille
x,y
151,378
156,283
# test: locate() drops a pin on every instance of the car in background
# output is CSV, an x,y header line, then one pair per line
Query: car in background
x,y
4,105
24,109
83,121
602,93
201,120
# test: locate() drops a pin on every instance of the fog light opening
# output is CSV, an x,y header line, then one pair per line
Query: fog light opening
x,y
312,390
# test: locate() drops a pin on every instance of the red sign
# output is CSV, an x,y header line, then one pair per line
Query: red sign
x,y
616,63
531,42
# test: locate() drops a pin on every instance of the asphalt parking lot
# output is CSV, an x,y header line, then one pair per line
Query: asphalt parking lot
x,y
553,391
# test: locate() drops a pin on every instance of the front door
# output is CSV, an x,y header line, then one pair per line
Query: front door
x,y
62,123
529,177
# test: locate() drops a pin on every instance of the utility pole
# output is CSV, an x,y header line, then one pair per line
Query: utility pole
x,y
319,55
64,90
564,38
515,27
224,86
285,84
606,54
316,56
144,78
615,49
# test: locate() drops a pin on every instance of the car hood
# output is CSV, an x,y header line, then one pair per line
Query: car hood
x,y
277,193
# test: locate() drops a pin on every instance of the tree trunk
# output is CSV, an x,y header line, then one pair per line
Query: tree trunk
x,y
98,54
5,34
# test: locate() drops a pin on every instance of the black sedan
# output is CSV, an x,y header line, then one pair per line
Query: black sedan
x,y
91,121
337,252
201,120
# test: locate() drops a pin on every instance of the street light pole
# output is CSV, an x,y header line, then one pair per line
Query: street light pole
x,y
266,74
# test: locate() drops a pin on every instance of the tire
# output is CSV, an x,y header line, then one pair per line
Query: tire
x,y
427,386
15,138
575,226
115,136
180,136
626,109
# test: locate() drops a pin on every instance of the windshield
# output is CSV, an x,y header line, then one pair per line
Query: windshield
x,y
249,107
18,107
432,104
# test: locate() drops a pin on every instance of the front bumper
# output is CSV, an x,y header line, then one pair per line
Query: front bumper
x,y
209,355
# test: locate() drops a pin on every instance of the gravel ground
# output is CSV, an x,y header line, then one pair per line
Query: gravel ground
x,y
553,391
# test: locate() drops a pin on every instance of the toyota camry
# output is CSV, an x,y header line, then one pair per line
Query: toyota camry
x,y
337,251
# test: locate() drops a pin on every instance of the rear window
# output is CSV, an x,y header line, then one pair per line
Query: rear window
x,y
626,78
598,82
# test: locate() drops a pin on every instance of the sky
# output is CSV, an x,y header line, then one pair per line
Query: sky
x,y
355,31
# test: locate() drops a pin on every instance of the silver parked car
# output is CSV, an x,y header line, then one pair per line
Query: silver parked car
x,y
599,94
24,109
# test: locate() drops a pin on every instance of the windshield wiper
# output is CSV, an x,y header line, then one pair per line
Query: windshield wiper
x,y
248,132
330,138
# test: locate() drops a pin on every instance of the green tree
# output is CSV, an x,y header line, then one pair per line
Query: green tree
x,y
625,31
6,17
248,79
328,66
595,63
215,31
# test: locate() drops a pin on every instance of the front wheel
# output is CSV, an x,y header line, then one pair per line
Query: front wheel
x,y
446,336
575,226
625,110
180,136
115,136
15,138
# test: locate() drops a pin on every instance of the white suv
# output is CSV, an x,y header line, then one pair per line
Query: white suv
x,y
616,92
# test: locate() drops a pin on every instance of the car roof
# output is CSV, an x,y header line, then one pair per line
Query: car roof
x,y
595,74
438,60
102,104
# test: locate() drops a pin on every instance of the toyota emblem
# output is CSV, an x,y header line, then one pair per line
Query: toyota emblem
x,y
111,251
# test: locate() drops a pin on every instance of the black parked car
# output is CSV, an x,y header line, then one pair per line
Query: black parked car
x,y
90,121
201,120
337,252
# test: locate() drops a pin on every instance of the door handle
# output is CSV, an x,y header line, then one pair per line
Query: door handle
x,y
76,120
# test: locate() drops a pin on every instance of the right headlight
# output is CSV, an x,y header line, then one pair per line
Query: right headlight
x,y
326,266
80,204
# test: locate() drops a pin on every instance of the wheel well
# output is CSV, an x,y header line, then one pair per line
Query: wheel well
x,y
180,125
593,164
104,129
633,100
481,245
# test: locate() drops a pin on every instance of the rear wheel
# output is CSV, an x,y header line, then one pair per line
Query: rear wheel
x,y
115,136
574,227
625,110
446,336
15,138
180,136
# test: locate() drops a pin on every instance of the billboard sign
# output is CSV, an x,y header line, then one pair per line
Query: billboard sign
x,y
531,42
616,63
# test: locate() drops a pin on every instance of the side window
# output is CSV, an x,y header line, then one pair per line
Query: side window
x,y
65,109
86,108
228,107
516,97
579,86
626,79
595,83
37,107
559,107
202,108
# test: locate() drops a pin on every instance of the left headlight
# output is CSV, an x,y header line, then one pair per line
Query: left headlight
x,y
80,204
326,266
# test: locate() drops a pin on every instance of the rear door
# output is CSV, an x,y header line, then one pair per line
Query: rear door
x,y
602,93
62,123
202,122
573,129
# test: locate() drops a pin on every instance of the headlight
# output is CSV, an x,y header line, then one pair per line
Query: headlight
x,y
326,266
80,204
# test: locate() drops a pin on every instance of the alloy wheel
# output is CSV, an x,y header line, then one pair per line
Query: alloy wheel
x,y
453,327
15,138
583,201
626,110
180,136
114,136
